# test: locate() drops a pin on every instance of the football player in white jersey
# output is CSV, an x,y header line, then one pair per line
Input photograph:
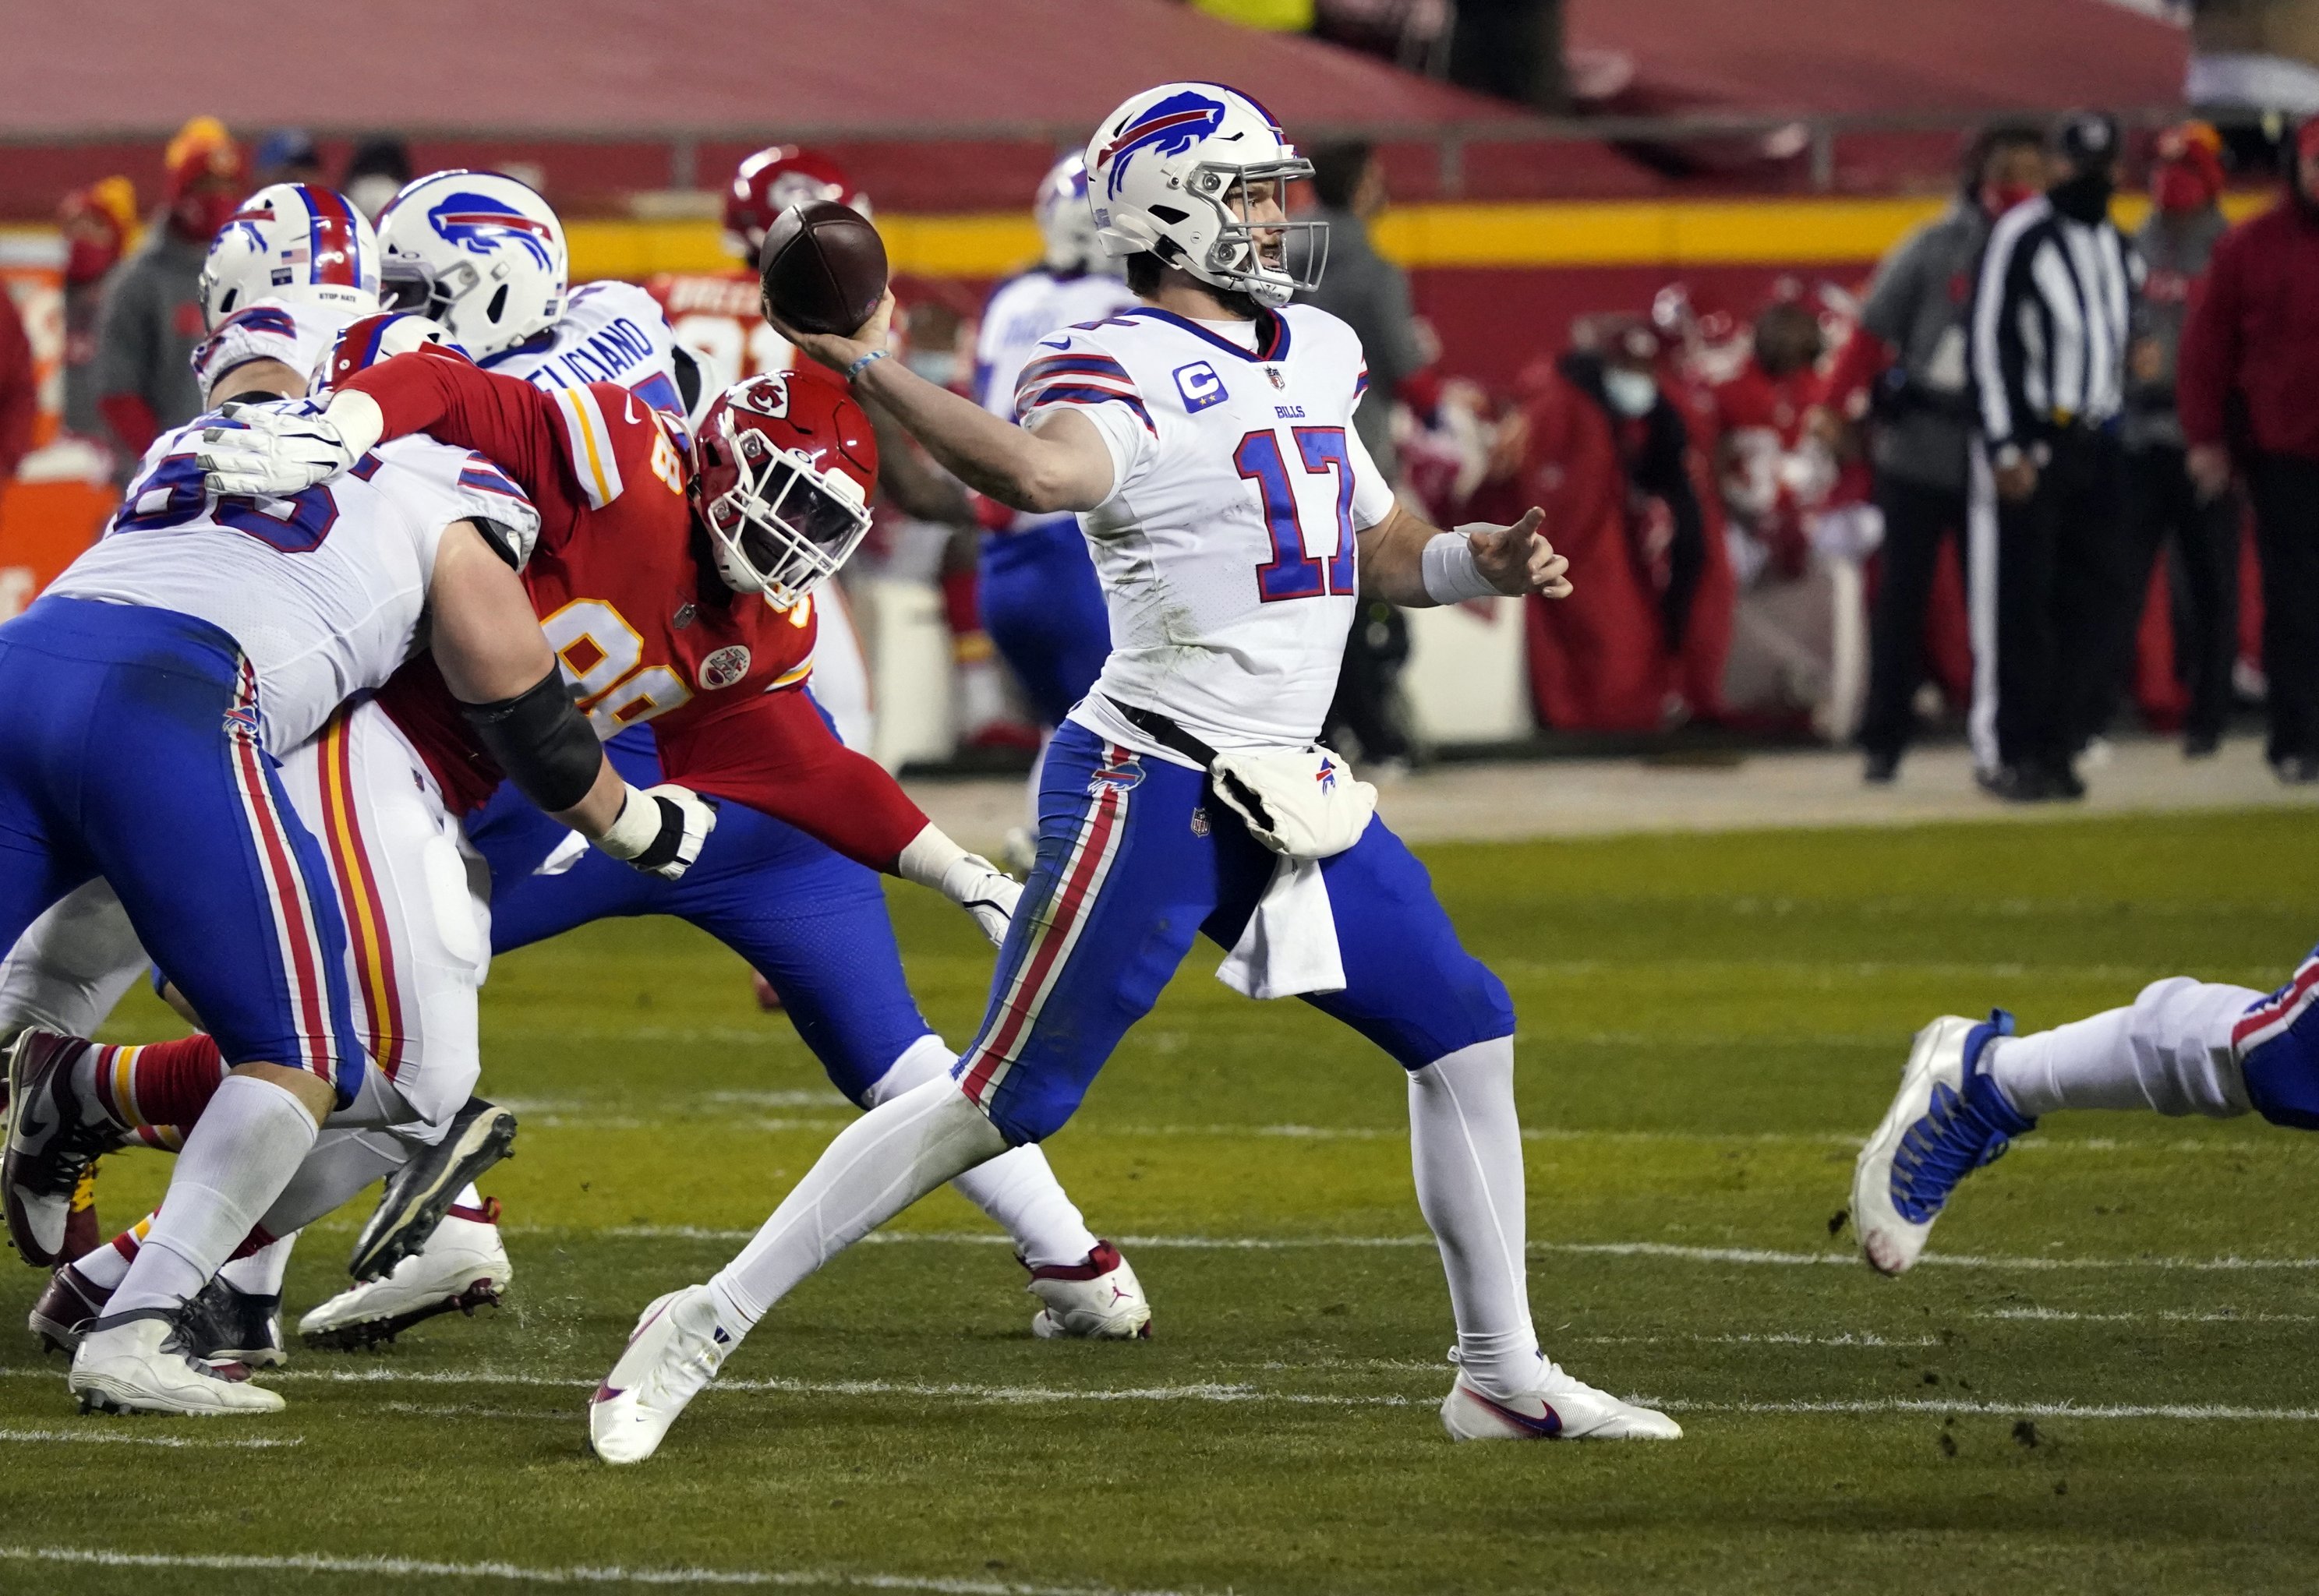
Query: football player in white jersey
x,y
285,274
1041,602
200,637
1205,438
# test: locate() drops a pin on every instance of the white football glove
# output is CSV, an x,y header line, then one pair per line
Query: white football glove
x,y
968,879
272,454
660,830
986,892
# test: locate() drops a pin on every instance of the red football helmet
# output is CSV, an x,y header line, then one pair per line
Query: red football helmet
x,y
772,180
363,344
785,465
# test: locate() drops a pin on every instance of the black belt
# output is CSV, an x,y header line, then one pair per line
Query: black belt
x,y
1165,732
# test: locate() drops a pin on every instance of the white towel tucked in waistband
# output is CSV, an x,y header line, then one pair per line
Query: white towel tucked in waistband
x,y
1290,945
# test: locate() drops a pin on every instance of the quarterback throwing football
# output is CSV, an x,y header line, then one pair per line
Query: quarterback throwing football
x,y
1204,437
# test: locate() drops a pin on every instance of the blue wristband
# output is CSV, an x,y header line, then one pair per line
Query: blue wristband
x,y
863,364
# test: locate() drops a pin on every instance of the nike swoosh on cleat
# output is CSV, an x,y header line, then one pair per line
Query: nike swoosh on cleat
x,y
1548,1425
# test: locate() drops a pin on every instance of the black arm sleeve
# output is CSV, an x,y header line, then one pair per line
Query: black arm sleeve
x,y
688,377
542,741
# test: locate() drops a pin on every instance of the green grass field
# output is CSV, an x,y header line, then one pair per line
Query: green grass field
x,y
2102,1380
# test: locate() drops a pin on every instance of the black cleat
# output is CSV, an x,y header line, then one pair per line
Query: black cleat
x,y
222,1326
419,1193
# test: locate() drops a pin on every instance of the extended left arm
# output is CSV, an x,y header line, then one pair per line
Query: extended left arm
x,y
775,754
1408,561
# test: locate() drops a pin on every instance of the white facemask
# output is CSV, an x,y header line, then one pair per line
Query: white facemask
x,y
1630,392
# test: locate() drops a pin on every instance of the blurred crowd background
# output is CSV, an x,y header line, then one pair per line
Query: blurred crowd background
x,y
1699,279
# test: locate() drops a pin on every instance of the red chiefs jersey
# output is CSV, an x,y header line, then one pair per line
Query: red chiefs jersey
x,y
716,316
644,627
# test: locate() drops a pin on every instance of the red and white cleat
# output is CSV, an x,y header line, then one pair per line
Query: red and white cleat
x,y
1099,1300
461,1267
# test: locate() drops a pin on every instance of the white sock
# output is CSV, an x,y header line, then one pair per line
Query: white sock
x,y
2169,1051
249,1142
879,1164
1017,1189
262,1272
1466,1146
340,1164
105,1266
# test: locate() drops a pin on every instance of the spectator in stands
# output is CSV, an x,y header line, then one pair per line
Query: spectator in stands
x,y
1370,295
378,169
286,155
20,395
1598,444
99,224
2249,368
2186,180
152,314
1909,351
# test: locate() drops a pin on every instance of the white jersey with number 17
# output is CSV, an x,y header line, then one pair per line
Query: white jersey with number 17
x,y
1226,546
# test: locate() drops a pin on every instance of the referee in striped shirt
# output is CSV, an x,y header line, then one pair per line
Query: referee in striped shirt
x,y
2051,589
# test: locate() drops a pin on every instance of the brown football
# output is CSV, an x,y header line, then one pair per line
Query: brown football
x,y
823,267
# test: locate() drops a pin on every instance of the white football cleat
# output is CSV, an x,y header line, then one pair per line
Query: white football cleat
x,y
676,1350
463,1267
138,1363
1099,1300
1947,1119
1559,1407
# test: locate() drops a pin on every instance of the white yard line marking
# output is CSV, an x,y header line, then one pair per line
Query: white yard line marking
x,y
574,1116
413,1568
2167,1315
1762,1338
1745,1256
114,1439
2062,1410
1236,1393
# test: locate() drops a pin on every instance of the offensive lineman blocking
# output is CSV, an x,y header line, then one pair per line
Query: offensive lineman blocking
x,y
1205,438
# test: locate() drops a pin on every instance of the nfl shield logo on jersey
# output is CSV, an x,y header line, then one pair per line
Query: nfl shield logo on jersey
x,y
1278,380
727,666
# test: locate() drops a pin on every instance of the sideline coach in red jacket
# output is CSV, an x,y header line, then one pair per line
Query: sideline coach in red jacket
x,y
2248,390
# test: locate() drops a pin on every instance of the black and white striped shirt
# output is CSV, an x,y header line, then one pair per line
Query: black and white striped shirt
x,y
2049,324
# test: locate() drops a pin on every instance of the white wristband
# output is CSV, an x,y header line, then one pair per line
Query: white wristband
x,y
635,828
359,420
1451,576
928,858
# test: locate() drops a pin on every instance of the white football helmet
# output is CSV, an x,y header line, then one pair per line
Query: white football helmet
x,y
294,243
1169,172
479,252
1066,222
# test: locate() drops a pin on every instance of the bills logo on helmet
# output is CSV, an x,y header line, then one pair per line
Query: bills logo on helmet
x,y
477,223
247,221
1172,127
724,667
